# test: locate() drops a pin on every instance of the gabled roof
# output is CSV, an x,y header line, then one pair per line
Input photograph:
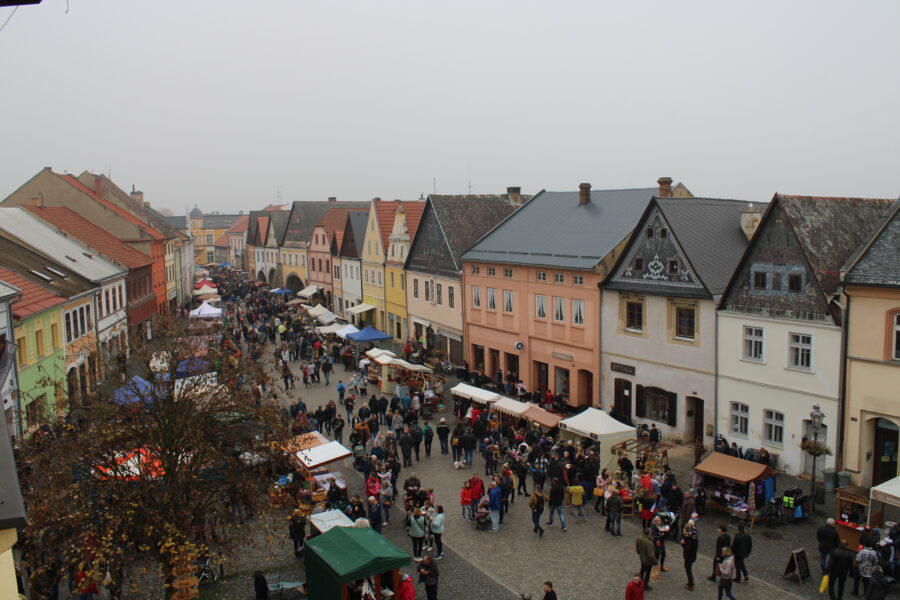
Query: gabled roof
x,y
877,262
708,233
150,231
274,207
831,229
279,220
222,240
8,291
304,216
333,222
356,228
240,226
553,229
413,210
33,298
99,239
262,230
464,219
129,203
19,223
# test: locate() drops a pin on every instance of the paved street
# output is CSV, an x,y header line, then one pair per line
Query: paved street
x,y
585,562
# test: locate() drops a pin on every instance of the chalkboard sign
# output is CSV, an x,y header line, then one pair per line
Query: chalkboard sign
x,y
798,565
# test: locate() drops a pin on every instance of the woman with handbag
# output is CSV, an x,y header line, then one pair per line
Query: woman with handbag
x,y
600,491
658,533
416,529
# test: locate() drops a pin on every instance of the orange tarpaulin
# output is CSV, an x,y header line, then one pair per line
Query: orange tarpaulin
x,y
542,417
731,468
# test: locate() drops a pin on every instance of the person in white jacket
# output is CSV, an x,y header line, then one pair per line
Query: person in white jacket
x,y
437,530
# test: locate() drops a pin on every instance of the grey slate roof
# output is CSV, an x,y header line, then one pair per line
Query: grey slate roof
x,y
464,219
358,223
552,229
176,222
832,229
279,220
709,232
878,260
305,214
12,509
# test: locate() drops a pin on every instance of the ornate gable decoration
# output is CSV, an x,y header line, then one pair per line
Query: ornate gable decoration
x,y
655,260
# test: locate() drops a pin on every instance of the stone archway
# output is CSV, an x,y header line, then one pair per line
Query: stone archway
x,y
272,276
260,276
293,283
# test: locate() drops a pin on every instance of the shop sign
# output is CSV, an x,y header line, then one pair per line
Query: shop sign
x,y
560,356
620,368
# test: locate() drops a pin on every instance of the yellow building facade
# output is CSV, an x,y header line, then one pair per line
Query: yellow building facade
x,y
380,222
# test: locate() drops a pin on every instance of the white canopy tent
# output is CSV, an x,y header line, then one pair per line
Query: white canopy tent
x,y
309,291
206,289
345,330
509,406
205,311
333,328
319,456
317,310
327,317
600,427
328,519
887,492
376,352
476,394
360,308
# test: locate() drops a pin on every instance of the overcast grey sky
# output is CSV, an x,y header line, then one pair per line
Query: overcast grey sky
x,y
224,103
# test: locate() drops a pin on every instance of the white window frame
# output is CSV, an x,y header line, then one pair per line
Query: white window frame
x,y
540,306
507,301
476,270
693,337
491,299
541,276
577,279
507,273
754,344
491,271
773,423
578,312
739,419
559,278
476,296
559,309
895,349
797,348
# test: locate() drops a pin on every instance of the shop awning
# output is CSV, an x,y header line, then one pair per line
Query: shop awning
x,y
450,335
731,468
887,492
327,317
346,330
509,406
542,417
360,308
474,393
319,456
333,328
309,291
316,310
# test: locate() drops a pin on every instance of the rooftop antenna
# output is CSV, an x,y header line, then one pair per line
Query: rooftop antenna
x,y
278,195
435,186
470,177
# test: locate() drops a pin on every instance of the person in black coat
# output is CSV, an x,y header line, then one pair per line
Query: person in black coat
x,y
260,586
840,563
829,540
723,541
741,546
878,585
428,574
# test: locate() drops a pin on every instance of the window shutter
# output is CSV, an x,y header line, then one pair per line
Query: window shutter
x,y
640,408
673,407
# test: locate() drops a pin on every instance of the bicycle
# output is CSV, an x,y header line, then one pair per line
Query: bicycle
x,y
207,570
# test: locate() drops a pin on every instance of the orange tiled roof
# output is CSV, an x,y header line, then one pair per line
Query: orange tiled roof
x,y
34,298
111,206
384,212
64,218
222,240
334,220
273,207
241,225
263,229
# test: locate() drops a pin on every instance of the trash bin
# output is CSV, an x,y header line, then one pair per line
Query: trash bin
x,y
843,478
830,476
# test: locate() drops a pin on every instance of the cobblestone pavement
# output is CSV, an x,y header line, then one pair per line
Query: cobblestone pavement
x,y
585,562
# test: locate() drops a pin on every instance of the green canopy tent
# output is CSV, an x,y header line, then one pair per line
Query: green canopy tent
x,y
345,554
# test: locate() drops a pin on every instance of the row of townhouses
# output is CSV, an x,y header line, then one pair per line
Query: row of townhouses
x,y
704,316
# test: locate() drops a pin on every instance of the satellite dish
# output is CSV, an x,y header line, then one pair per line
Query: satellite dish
x,y
520,346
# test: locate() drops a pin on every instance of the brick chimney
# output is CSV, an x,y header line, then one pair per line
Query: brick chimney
x,y
514,194
98,185
750,218
584,193
332,198
139,196
665,187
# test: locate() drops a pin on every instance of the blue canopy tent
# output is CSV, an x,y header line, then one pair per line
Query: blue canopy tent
x,y
136,391
282,291
191,366
369,334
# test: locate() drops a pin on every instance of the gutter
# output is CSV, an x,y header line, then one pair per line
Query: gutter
x,y
842,386
716,392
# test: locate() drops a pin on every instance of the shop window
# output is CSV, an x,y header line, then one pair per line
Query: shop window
x,y
657,405
773,427
507,301
739,418
800,351
753,343
492,299
540,307
476,296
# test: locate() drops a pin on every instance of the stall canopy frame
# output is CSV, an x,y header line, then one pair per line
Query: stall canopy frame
x,y
470,392
887,492
731,468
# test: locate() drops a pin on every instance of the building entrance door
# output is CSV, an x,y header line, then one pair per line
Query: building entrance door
x,y
541,376
886,438
694,421
585,388
622,400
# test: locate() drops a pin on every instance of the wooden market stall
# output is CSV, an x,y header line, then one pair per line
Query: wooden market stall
x,y
542,417
602,429
312,453
344,559
653,457
390,373
731,485
852,505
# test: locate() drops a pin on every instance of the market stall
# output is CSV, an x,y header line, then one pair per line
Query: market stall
x,y
542,417
604,430
509,407
852,506
312,453
206,311
653,456
474,394
345,557
736,486
392,374
325,521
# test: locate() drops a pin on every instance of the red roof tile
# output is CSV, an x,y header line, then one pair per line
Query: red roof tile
x,y
64,218
273,207
262,229
34,298
241,225
111,206
334,220
384,212
222,240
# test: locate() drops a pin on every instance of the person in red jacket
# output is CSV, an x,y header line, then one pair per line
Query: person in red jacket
x,y
406,591
476,491
465,499
635,589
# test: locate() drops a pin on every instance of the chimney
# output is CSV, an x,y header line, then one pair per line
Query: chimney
x,y
584,194
750,218
37,201
514,194
98,185
665,187
139,196
332,198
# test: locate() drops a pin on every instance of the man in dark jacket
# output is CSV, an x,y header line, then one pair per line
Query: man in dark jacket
x,y
644,548
406,445
417,439
557,494
467,442
723,541
839,565
443,433
428,574
375,518
829,540
741,546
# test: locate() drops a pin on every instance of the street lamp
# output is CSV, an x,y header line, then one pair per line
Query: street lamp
x,y
815,417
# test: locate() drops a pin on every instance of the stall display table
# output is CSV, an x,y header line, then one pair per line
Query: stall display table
x,y
852,508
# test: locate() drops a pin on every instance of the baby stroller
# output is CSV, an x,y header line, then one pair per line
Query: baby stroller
x,y
482,521
670,519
